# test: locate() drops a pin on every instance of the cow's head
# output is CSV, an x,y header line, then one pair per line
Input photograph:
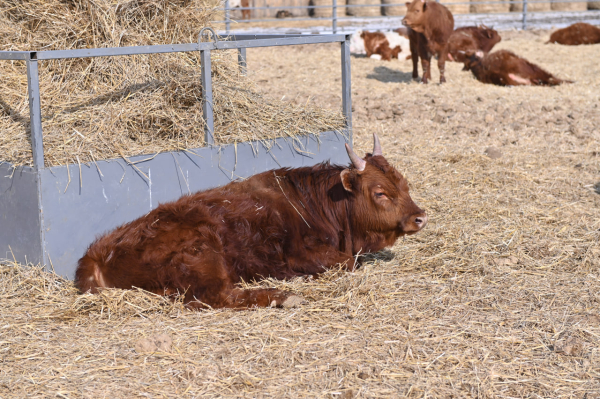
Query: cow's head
x,y
491,35
471,58
382,202
415,15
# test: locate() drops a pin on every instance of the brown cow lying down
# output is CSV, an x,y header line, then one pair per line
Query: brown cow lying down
x,y
377,43
380,45
281,224
505,68
471,38
576,34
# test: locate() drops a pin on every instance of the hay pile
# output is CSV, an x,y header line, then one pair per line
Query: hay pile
x,y
103,108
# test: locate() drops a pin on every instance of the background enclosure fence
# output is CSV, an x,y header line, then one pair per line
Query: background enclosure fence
x,y
519,12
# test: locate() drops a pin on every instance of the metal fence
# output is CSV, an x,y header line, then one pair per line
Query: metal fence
x,y
239,42
523,8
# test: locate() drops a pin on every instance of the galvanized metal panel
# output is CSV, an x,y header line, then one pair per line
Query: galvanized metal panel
x,y
283,40
14,55
35,114
113,51
346,84
286,41
20,231
101,198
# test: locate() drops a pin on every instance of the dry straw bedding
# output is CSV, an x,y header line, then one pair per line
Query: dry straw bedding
x,y
498,297
110,107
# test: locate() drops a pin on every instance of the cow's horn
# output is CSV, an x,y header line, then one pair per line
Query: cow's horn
x,y
376,145
358,163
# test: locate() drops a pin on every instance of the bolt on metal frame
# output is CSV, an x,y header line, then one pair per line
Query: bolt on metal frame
x,y
239,42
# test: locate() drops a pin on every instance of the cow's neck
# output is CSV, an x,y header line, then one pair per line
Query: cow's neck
x,y
325,204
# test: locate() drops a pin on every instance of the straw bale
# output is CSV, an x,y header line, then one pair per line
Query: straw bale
x,y
103,108
497,298
533,7
456,8
593,5
326,12
499,6
393,10
364,11
557,5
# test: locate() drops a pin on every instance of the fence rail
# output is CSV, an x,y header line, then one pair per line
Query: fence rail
x,y
514,7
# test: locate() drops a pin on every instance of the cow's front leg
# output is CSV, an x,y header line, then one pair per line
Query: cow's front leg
x,y
442,64
426,63
414,54
261,297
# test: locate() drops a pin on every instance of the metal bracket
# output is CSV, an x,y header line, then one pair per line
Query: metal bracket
x,y
203,31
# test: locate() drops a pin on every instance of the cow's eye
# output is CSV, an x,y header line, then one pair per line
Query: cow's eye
x,y
380,195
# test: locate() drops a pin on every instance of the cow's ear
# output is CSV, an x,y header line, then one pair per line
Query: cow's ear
x,y
346,179
424,5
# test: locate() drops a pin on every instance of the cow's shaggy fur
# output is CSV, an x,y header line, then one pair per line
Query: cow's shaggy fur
x,y
281,224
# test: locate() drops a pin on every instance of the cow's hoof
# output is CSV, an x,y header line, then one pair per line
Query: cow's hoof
x,y
293,301
442,80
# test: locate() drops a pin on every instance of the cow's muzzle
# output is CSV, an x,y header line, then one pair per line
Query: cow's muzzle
x,y
414,223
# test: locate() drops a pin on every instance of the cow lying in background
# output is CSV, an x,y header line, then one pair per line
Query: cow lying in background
x,y
471,38
505,68
281,223
576,34
379,45
430,26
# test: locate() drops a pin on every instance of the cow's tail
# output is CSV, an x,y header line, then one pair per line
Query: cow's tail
x,y
89,276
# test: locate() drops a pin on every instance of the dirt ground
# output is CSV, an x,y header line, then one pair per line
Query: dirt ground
x,y
497,298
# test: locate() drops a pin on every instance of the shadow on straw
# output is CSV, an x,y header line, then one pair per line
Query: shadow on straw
x,y
389,75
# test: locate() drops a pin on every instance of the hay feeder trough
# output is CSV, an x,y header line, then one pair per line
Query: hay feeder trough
x,y
41,222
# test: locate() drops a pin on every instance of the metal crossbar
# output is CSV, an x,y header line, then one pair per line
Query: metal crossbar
x,y
229,42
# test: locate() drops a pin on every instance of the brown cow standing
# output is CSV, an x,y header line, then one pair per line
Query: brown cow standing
x,y
377,43
471,38
576,34
505,68
430,26
281,224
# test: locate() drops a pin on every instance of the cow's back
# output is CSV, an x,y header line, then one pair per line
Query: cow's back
x,y
576,34
440,23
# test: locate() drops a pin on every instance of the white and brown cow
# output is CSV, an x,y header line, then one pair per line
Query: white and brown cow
x,y
380,45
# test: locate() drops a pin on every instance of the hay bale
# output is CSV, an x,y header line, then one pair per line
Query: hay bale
x,y
575,6
327,12
365,11
456,8
593,5
112,107
533,7
500,6
393,10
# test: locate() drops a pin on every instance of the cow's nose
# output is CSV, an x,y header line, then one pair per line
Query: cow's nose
x,y
421,221
403,21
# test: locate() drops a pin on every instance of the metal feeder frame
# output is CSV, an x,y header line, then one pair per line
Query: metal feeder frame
x,y
45,218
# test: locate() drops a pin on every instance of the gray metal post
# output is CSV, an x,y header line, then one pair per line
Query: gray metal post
x,y
346,86
227,20
35,114
524,14
207,97
242,60
334,17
